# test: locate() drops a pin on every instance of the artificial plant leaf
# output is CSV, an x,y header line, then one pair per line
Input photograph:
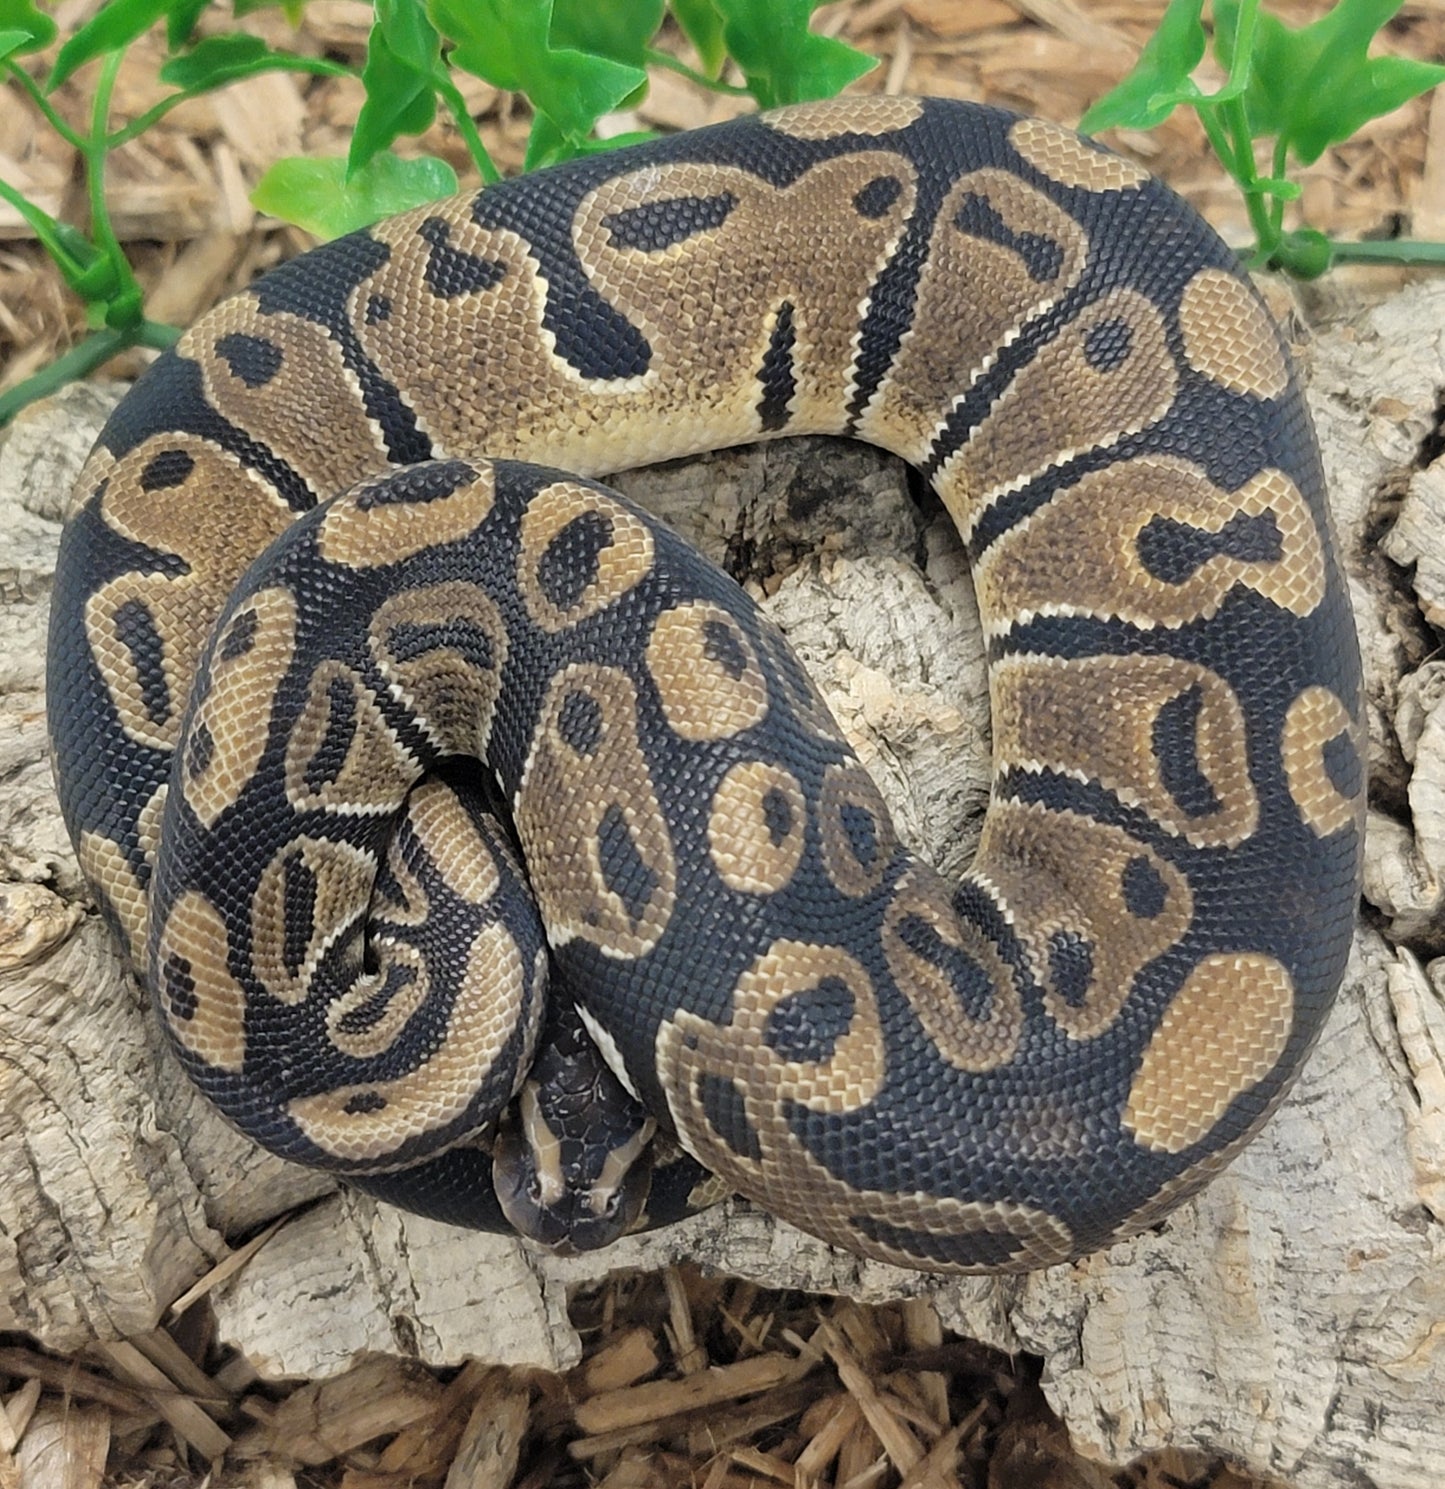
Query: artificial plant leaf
x,y
620,31
1313,86
1160,79
781,59
316,194
224,59
703,27
115,25
403,59
508,44
34,28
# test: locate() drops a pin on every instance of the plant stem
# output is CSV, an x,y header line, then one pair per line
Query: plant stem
x,y
318,67
1389,251
1243,170
94,152
656,58
52,118
1277,170
84,357
466,127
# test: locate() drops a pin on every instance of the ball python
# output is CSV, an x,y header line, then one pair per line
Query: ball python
x,y
378,740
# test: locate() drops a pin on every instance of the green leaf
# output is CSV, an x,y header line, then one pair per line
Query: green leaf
x,y
181,18
703,27
20,17
113,27
69,249
508,43
315,193
126,310
403,59
1313,86
781,59
620,29
1381,85
546,145
290,8
1159,80
223,59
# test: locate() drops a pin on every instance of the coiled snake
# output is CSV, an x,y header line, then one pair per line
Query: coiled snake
x,y
1002,1074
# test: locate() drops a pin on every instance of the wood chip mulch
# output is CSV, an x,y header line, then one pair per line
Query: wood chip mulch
x,y
687,1381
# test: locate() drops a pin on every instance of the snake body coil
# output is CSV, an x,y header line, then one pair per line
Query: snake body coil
x,y
1002,1074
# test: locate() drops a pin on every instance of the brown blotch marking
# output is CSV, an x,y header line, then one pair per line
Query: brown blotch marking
x,y
372,1015
833,118
1106,375
341,754
365,533
360,1125
706,672
724,289
452,685
231,725
1001,253
1222,1034
757,827
1092,906
312,892
1229,337
187,500
938,960
179,494
449,836
850,1077
121,882
443,353
1079,554
1093,718
1315,720
404,902
109,870
1062,156
730,1073
202,1003
283,374
90,484
594,835
806,245
619,558
855,829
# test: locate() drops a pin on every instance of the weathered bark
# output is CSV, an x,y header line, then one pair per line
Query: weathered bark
x,y
1288,1318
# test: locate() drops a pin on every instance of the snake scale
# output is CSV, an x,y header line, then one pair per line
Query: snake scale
x,y
446,664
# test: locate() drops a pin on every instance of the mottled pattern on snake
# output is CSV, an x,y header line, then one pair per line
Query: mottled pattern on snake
x,y
1006,1073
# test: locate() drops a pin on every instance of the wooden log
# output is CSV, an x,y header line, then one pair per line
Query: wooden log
x,y
1286,1320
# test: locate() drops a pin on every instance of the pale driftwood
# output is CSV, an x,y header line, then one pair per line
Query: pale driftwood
x,y
1287,1319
